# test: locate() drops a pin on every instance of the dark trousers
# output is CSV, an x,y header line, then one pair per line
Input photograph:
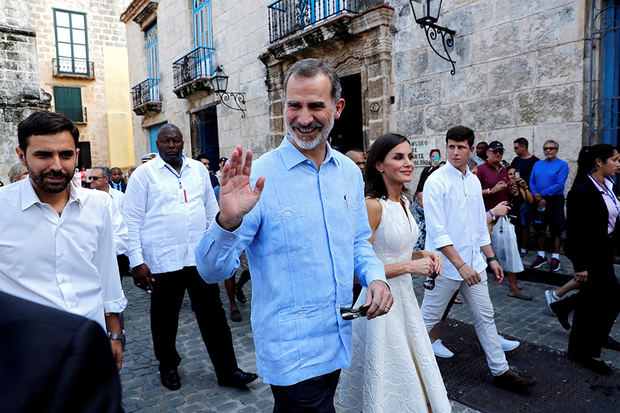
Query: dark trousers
x,y
123,265
596,308
166,301
315,395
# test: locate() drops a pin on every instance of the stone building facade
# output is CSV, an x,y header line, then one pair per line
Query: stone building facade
x,y
19,78
522,70
82,59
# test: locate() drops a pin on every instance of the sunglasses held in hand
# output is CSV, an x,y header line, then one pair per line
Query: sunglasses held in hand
x,y
429,284
350,313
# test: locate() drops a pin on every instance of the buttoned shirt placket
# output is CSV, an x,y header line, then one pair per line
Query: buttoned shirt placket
x,y
61,276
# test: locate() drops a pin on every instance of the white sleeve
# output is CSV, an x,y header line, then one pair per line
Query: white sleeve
x,y
435,216
114,300
134,209
119,229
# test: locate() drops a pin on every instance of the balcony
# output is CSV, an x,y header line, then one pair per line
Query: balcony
x,y
145,100
76,114
192,74
287,17
73,68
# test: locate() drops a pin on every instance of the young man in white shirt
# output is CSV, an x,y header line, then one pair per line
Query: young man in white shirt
x,y
56,240
168,204
456,228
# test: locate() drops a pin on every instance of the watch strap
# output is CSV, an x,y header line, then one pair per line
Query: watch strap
x,y
113,336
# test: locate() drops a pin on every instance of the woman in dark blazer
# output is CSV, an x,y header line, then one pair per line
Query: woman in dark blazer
x,y
592,223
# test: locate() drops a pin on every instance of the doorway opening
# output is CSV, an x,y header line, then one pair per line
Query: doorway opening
x,y
347,132
84,159
204,135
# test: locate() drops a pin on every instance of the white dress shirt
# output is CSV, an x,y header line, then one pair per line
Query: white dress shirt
x,y
119,229
67,261
117,197
455,215
166,213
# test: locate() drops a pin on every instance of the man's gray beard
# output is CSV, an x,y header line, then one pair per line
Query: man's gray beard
x,y
309,145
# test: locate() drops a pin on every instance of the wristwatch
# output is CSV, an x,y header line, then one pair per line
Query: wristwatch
x,y
493,258
120,336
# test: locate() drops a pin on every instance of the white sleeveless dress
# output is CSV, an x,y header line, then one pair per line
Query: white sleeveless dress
x,y
393,367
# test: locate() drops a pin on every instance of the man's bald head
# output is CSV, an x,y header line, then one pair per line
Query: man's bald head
x,y
358,156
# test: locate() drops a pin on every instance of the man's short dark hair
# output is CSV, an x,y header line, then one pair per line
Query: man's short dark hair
x,y
105,171
481,144
201,156
45,123
461,134
434,150
522,142
312,67
168,126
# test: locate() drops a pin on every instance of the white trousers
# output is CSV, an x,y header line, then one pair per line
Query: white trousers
x,y
477,299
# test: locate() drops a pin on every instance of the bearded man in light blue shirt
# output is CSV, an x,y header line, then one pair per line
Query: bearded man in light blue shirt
x,y
299,213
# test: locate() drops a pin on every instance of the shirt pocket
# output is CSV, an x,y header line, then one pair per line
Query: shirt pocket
x,y
301,334
288,226
351,209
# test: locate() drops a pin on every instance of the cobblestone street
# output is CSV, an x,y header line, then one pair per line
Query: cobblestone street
x,y
142,392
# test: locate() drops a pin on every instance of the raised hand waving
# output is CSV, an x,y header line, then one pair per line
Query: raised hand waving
x,y
237,197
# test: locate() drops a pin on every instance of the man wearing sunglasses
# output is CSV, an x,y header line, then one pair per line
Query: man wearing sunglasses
x,y
495,189
359,157
99,180
547,185
493,177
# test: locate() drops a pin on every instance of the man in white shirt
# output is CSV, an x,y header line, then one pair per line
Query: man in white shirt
x,y
56,240
99,177
456,227
168,204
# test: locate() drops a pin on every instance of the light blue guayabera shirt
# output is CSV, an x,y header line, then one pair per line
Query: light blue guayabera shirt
x,y
305,238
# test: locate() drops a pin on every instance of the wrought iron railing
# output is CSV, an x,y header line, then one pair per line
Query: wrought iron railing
x,y
289,16
66,66
195,65
76,114
145,92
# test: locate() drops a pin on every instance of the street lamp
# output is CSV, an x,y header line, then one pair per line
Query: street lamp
x,y
426,14
219,83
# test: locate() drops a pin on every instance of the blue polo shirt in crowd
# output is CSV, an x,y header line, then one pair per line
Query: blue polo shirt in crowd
x,y
305,238
548,177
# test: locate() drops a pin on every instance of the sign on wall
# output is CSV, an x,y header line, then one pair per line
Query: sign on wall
x,y
421,148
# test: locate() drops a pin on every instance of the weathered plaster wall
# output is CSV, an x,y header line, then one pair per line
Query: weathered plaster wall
x,y
519,73
103,30
19,78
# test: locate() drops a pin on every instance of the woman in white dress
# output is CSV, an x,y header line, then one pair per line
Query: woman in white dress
x,y
393,367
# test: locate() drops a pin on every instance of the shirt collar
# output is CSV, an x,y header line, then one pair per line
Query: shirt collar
x,y
455,171
490,165
29,197
160,163
292,156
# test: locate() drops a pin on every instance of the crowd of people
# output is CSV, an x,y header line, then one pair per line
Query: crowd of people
x,y
331,242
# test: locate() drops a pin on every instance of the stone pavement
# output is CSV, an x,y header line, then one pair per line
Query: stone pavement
x,y
142,391
530,321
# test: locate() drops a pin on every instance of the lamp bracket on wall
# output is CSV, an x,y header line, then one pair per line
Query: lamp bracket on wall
x,y
447,41
233,100
426,14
